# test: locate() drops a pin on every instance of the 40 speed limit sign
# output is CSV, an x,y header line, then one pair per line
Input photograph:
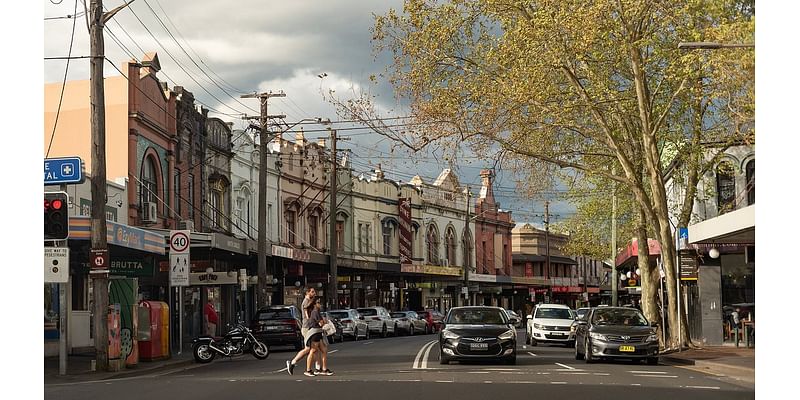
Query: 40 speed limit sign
x,y
179,243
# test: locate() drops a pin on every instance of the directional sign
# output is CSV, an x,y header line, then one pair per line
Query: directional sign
x,y
179,264
58,171
56,264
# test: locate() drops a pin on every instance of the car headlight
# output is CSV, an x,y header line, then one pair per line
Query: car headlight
x,y
509,334
572,328
449,335
652,338
598,336
537,326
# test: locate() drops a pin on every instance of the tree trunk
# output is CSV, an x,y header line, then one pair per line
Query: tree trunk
x,y
650,285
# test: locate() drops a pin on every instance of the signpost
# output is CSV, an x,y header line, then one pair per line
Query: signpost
x,y
59,171
56,264
179,266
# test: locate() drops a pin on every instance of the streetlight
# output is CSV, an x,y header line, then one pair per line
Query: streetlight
x,y
714,45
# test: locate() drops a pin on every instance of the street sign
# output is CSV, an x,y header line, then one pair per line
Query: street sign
x,y
688,267
98,261
179,264
56,264
58,171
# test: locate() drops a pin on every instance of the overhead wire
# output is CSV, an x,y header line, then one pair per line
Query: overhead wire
x,y
63,83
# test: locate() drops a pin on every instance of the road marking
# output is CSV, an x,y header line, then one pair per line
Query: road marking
x,y
532,354
513,373
487,381
657,376
520,382
420,353
478,372
443,381
501,369
574,373
280,370
636,384
703,387
425,357
405,380
565,366
601,374
366,343
333,351
648,372
559,383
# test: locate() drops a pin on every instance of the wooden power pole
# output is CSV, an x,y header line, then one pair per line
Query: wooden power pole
x,y
333,302
547,248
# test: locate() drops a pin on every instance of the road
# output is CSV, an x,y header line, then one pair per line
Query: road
x,y
407,368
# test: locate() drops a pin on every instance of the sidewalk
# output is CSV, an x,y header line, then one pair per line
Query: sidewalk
x,y
79,368
732,362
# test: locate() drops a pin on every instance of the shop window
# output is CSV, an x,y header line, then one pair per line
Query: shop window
x,y
432,241
177,188
313,225
148,186
450,242
726,187
750,172
290,226
340,235
467,246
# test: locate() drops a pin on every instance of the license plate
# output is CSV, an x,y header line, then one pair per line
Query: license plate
x,y
557,334
627,348
273,328
479,346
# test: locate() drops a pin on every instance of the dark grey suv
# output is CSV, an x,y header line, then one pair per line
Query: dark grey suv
x,y
615,332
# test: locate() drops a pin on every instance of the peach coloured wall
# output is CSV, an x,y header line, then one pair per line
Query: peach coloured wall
x,y
73,135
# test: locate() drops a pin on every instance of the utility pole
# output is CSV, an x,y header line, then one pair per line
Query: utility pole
x,y
547,247
97,19
466,228
614,278
264,139
334,245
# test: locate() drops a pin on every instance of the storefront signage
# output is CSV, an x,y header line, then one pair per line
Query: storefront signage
x,y
430,270
404,213
280,251
214,278
688,267
225,242
566,289
482,278
132,268
119,235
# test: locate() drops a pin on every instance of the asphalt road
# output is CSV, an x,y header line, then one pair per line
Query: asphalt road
x,y
408,368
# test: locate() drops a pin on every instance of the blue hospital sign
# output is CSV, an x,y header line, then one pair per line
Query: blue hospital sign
x,y
64,170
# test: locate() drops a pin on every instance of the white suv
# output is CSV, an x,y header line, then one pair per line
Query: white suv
x,y
550,323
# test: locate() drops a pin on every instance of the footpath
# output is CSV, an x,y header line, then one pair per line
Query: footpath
x,y
737,364
79,368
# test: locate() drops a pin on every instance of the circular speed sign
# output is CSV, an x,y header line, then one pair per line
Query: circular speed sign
x,y
179,242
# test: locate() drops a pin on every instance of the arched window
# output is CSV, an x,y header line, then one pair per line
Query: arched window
x,y
389,229
750,172
450,243
290,216
726,188
466,247
148,190
313,230
432,241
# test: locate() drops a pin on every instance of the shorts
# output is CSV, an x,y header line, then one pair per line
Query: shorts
x,y
315,338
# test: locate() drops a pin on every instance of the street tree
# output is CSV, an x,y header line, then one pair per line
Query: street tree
x,y
573,85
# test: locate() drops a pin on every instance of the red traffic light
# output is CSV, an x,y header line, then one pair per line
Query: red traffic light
x,y
56,204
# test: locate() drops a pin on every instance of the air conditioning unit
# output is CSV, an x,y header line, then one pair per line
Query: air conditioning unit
x,y
186,225
149,213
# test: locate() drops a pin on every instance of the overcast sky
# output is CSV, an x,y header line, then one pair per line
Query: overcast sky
x,y
258,45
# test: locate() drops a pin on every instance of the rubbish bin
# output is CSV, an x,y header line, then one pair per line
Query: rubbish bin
x,y
153,330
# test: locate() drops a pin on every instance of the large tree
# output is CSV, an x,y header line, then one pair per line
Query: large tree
x,y
598,88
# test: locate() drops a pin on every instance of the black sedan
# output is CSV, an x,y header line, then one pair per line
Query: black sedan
x,y
478,333
615,332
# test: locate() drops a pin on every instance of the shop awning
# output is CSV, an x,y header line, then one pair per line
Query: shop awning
x,y
734,227
538,258
119,235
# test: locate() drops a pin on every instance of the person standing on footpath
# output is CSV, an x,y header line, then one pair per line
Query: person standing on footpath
x,y
311,294
211,318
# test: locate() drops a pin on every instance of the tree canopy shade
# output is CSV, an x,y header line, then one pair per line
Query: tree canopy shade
x,y
596,88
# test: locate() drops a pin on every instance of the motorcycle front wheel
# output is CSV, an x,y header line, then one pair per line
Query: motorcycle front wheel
x,y
260,350
203,353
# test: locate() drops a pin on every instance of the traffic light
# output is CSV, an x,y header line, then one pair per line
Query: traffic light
x,y
56,216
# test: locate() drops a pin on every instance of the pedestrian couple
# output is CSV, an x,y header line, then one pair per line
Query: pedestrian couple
x,y
316,342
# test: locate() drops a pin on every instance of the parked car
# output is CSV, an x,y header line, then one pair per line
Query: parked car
x,y
616,332
409,322
353,324
278,326
550,323
513,314
338,335
581,312
434,318
472,333
379,320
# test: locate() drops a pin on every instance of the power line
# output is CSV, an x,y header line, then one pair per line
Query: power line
x,y
63,83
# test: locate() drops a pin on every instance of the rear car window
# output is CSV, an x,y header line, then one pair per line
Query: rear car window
x,y
367,311
553,313
339,315
398,315
282,313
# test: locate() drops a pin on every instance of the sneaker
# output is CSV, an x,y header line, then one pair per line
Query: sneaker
x,y
317,367
327,372
309,373
289,367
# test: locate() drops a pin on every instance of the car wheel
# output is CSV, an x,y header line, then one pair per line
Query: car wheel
x,y
411,330
527,337
512,360
443,359
587,351
652,360
366,336
578,355
427,329
355,335
533,342
384,331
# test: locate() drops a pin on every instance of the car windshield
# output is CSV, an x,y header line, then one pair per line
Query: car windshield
x,y
339,314
582,312
629,317
279,313
398,315
367,311
553,313
476,316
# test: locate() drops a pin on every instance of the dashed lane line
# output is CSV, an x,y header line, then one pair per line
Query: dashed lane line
x,y
405,380
565,366
333,351
702,387
532,354
649,372
559,383
657,376
366,343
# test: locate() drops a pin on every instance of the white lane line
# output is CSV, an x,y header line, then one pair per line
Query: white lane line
x,y
636,384
405,380
573,373
478,372
501,369
601,374
420,353
703,387
487,381
443,381
648,372
565,366
657,376
333,351
559,383
532,354
520,382
366,343
425,357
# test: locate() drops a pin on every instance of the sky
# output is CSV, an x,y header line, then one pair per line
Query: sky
x,y
219,50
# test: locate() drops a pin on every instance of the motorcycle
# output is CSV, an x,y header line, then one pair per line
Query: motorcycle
x,y
237,341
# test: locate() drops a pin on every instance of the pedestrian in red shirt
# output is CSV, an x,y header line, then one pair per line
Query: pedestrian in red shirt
x,y
212,319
